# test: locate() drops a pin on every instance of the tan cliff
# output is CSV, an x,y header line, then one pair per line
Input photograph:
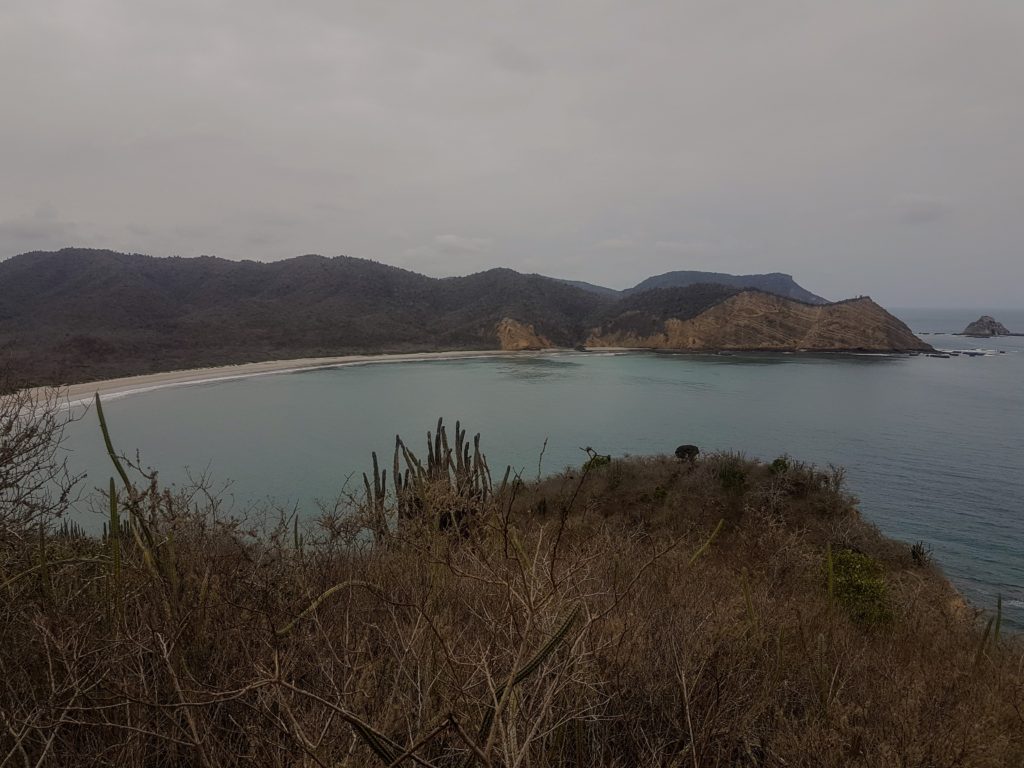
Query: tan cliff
x,y
514,335
753,320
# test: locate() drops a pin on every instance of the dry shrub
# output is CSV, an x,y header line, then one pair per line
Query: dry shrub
x,y
637,613
35,483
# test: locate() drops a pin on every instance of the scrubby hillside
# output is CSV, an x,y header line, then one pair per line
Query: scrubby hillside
x,y
641,612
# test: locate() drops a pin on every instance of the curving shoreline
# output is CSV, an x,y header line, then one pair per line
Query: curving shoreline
x,y
124,386
80,394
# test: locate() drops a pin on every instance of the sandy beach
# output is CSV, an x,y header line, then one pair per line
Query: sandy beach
x,y
130,385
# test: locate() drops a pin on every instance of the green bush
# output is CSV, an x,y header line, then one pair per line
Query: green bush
x,y
732,475
656,496
780,466
857,583
615,475
921,554
595,460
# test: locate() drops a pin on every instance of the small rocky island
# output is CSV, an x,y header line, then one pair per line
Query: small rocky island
x,y
986,326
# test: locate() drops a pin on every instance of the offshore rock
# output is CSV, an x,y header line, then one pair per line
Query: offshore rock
x,y
986,325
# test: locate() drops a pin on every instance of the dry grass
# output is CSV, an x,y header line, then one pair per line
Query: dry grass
x,y
643,613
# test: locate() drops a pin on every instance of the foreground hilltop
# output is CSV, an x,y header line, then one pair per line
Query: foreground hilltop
x,y
631,612
77,315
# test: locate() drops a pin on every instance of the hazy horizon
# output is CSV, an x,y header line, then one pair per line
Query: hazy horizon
x,y
863,148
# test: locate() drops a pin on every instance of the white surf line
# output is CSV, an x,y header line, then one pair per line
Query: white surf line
x,y
117,394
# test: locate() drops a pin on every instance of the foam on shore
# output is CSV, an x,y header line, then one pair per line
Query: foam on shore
x,y
114,389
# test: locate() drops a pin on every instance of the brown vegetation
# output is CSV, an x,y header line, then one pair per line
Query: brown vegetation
x,y
640,612
35,483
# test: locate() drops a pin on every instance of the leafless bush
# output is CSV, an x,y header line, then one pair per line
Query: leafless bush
x,y
35,484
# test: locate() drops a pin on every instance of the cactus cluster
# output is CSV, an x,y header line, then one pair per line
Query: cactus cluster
x,y
453,485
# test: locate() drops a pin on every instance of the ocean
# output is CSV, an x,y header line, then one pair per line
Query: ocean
x,y
933,448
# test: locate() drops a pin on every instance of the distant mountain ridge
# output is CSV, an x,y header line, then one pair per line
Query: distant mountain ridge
x,y
778,283
79,315
600,290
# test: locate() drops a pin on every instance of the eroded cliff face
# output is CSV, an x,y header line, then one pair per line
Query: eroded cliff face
x,y
753,321
514,335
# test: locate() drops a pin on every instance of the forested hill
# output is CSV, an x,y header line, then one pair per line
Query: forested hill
x,y
777,283
77,315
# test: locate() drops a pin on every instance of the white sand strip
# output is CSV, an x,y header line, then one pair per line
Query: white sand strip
x,y
79,394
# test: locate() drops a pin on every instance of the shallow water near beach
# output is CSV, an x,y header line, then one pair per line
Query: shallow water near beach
x,y
934,448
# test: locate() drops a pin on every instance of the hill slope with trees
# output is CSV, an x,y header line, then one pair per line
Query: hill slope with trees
x,y
774,282
78,315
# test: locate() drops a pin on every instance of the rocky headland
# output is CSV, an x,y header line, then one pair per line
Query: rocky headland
x,y
754,320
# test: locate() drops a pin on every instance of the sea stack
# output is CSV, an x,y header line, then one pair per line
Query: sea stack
x,y
986,326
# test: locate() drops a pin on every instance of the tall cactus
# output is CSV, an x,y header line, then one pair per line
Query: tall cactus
x,y
114,544
376,496
460,468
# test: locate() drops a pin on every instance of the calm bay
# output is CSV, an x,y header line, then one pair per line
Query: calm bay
x,y
933,448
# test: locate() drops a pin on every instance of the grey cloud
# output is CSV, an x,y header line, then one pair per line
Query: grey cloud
x,y
681,246
514,58
447,255
461,244
596,141
43,227
921,209
616,244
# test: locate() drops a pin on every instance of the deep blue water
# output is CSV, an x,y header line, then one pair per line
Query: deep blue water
x,y
934,448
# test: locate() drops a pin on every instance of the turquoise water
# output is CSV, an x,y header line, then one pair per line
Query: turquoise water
x,y
933,448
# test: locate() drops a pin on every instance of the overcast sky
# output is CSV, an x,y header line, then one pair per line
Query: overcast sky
x,y
865,147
